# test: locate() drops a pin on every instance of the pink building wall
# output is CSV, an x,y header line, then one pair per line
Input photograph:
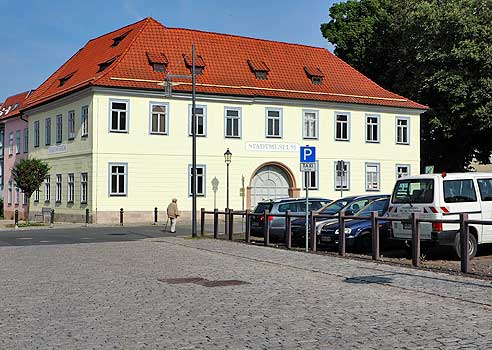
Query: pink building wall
x,y
12,155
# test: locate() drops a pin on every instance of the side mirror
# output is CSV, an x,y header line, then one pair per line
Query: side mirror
x,y
349,212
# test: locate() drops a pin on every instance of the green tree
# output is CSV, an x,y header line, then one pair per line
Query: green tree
x,y
29,174
436,52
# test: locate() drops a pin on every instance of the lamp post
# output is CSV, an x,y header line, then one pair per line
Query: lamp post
x,y
168,92
227,159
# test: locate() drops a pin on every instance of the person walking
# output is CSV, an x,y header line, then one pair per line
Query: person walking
x,y
173,214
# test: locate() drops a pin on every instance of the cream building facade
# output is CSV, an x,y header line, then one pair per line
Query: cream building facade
x,y
128,146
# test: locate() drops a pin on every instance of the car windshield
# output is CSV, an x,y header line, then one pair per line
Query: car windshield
x,y
335,207
261,207
413,191
379,205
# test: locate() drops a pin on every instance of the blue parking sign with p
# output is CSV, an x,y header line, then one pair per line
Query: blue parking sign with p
x,y
308,154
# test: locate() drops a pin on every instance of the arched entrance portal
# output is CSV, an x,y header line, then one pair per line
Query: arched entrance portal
x,y
271,181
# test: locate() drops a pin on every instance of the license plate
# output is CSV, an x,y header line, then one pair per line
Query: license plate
x,y
407,226
325,239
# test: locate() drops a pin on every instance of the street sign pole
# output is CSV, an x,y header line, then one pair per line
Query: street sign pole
x,y
308,164
307,207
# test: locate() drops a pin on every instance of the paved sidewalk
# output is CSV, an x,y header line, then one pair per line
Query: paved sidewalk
x,y
107,296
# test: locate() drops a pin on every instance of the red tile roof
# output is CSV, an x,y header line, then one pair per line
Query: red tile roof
x,y
13,105
225,58
258,66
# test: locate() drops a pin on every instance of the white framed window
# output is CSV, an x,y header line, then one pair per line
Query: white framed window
x,y
201,120
84,121
71,125
36,195
70,188
342,176
233,119
200,180
36,133
47,189
118,179
17,141
312,178
24,198
159,120
17,195
59,128
402,170
273,122
119,115
26,140
9,194
403,130
11,143
84,180
373,177
47,136
310,124
372,128
342,126
58,192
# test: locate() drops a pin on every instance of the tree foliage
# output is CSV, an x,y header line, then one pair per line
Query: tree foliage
x,y
436,52
29,174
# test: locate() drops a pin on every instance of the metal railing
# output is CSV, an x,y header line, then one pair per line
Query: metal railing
x,y
415,221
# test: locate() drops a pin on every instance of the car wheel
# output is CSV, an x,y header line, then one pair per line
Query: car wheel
x,y
472,243
364,242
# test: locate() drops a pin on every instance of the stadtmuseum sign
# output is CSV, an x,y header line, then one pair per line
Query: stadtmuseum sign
x,y
272,147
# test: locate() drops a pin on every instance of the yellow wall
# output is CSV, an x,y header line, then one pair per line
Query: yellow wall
x,y
158,165
76,160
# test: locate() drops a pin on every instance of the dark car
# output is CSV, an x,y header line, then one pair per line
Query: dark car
x,y
280,206
357,232
350,205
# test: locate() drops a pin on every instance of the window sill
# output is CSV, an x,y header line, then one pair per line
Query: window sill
x,y
371,190
58,202
71,138
159,133
342,140
119,131
84,135
368,141
232,137
69,202
83,202
273,137
35,201
310,138
117,194
403,143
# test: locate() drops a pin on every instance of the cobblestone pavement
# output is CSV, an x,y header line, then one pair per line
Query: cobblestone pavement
x,y
107,296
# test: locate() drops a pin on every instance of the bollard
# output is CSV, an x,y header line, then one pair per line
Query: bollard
x,y
202,222
121,216
375,236
87,217
216,223
52,217
341,233
266,228
226,223
155,216
248,226
415,240
288,229
16,218
312,221
231,224
464,243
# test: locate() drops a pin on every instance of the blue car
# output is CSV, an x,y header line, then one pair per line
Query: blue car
x,y
350,205
357,232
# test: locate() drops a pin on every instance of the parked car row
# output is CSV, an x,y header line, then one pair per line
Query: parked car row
x,y
432,196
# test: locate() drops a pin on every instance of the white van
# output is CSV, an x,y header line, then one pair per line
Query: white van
x,y
443,196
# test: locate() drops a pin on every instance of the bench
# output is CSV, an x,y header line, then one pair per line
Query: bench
x,y
44,212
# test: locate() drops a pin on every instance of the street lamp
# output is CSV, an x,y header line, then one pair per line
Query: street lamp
x,y
227,159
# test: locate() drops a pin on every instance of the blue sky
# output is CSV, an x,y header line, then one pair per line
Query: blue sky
x,y
38,36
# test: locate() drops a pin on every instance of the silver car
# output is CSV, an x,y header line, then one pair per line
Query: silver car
x,y
280,206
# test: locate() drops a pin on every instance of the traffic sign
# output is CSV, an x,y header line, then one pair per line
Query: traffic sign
x,y
429,169
309,166
308,154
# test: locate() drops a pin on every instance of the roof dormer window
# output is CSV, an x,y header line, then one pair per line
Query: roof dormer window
x,y
199,63
315,74
64,79
106,64
259,68
117,40
158,61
